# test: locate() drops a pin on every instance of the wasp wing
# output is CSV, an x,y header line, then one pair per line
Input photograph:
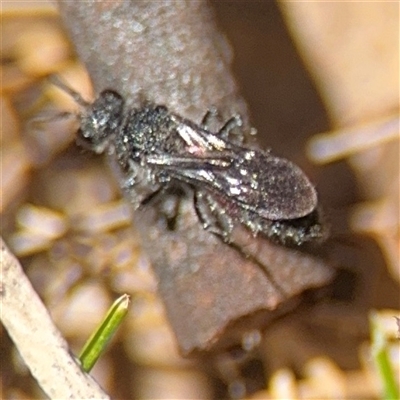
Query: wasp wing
x,y
272,187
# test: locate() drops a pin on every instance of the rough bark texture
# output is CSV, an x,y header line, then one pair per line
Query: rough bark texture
x,y
172,53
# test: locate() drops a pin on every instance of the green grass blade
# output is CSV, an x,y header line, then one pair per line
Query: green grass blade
x,y
98,341
382,359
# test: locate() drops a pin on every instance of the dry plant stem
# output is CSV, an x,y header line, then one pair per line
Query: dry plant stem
x,y
170,52
38,341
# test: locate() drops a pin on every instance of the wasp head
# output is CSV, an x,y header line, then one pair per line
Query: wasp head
x,y
101,120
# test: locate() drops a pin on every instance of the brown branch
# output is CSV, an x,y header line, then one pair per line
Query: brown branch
x,y
172,53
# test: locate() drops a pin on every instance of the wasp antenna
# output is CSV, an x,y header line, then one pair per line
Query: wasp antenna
x,y
45,118
57,81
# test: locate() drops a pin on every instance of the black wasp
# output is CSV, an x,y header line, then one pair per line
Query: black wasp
x,y
231,182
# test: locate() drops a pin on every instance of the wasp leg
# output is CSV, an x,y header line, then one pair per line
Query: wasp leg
x,y
143,191
50,117
212,216
134,181
128,178
211,114
226,131
167,200
229,130
154,198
